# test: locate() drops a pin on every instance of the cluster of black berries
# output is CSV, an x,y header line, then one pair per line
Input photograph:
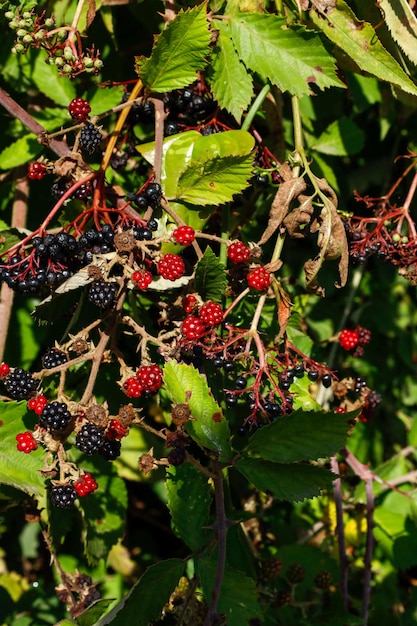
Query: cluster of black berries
x,y
55,417
62,185
102,293
150,196
90,138
54,357
91,439
20,384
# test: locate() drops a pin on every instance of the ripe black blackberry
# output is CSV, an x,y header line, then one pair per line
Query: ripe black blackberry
x,y
110,449
176,456
102,293
53,357
90,438
20,384
90,138
55,416
63,496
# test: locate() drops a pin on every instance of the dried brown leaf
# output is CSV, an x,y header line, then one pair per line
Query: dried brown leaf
x,y
287,192
311,268
300,216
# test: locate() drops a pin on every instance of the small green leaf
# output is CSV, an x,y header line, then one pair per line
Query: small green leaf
x,y
290,57
215,181
58,89
341,138
11,236
180,51
91,616
291,481
301,436
18,469
360,42
238,599
210,277
209,428
148,596
19,152
189,494
231,84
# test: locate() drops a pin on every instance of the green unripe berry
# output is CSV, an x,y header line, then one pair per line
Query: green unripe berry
x,y
88,62
89,70
67,69
9,15
14,24
22,23
404,239
59,61
40,35
27,15
68,54
18,48
61,34
21,32
27,38
396,237
98,64
49,22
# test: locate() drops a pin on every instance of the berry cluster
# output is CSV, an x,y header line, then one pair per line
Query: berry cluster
x,y
79,109
238,252
142,279
355,340
147,380
90,138
184,235
55,417
37,170
26,442
85,484
171,267
53,358
37,404
38,31
102,293
259,278
19,383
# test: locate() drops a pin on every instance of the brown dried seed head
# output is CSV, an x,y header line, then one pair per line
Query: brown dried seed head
x,y
79,345
147,462
94,272
124,242
180,414
97,414
126,415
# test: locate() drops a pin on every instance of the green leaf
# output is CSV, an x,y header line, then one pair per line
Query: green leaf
x,y
301,436
402,24
180,51
148,596
238,599
189,494
19,152
58,89
216,181
290,58
210,277
231,84
104,510
229,143
341,138
360,42
209,428
91,616
18,469
291,481
11,236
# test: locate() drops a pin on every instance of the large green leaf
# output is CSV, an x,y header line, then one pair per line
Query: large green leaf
x,y
360,42
210,277
59,89
180,51
238,599
291,58
341,138
215,181
148,596
300,436
209,428
402,23
189,497
18,469
20,151
231,84
290,481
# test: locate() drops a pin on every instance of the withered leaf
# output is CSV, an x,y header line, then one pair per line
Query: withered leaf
x,y
287,192
311,268
299,216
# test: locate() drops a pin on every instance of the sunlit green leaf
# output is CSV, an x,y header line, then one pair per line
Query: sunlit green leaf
x,y
210,277
342,137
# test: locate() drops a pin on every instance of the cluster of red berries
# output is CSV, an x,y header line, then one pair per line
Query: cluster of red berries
x,y
147,379
26,442
171,267
184,235
259,278
211,314
79,109
355,339
36,171
189,303
238,252
37,404
85,484
116,430
142,279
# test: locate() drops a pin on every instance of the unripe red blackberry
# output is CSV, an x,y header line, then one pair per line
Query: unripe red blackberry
x,y
193,327
211,313
259,278
25,442
323,580
271,569
184,235
189,303
348,339
284,598
36,171
79,109
142,279
132,388
171,267
149,377
238,252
